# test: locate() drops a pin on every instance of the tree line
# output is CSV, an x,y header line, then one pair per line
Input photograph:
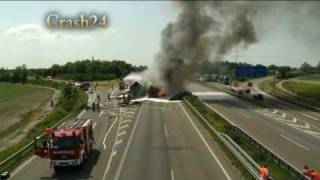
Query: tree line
x,y
83,70
20,74
88,70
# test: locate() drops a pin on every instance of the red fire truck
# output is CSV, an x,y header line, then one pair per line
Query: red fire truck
x,y
67,146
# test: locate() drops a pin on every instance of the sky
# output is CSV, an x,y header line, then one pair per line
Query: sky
x,y
286,36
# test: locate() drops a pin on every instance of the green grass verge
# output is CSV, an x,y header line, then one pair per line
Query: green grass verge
x,y
223,126
69,103
304,89
307,93
312,77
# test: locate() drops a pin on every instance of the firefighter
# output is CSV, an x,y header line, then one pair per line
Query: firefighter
x,y
306,171
47,133
264,172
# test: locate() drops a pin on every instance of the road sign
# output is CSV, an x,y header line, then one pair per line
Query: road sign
x,y
250,71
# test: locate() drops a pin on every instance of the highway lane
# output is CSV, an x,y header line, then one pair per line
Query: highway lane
x,y
169,143
158,140
278,133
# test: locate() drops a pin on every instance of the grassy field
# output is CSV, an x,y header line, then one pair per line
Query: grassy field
x,y
303,89
68,104
16,100
313,77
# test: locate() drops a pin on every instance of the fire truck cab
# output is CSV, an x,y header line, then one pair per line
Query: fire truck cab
x,y
66,147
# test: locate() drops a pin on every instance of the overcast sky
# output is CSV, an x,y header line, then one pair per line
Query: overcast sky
x,y
288,35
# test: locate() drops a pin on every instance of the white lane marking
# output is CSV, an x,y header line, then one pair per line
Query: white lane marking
x,y
104,139
294,142
94,125
81,114
244,115
114,152
284,115
100,114
119,141
275,111
294,120
122,133
122,127
205,142
165,130
306,126
311,132
172,174
311,117
125,121
118,172
22,166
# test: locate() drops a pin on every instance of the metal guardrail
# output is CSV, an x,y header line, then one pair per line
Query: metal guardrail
x,y
11,162
243,157
282,163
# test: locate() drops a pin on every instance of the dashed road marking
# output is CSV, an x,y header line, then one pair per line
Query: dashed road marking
x,y
122,133
284,115
165,130
119,141
125,121
122,127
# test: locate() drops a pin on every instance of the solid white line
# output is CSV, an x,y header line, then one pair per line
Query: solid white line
x,y
104,139
118,172
311,132
165,130
205,142
81,113
19,168
294,142
172,174
311,117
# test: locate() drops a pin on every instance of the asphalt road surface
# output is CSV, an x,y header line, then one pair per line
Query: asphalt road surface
x,y
285,129
153,140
